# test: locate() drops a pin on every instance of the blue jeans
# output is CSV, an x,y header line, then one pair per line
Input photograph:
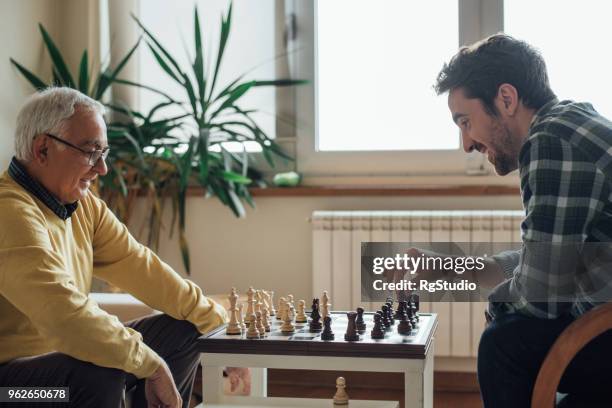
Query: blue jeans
x,y
512,349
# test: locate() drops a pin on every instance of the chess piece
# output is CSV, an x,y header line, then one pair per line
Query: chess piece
x,y
265,318
240,318
250,302
385,317
324,305
341,397
259,324
377,331
390,312
287,326
290,300
258,300
359,323
279,315
351,329
401,308
327,333
271,303
233,327
315,317
410,316
415,306
301,315
281,309
252,332
404,327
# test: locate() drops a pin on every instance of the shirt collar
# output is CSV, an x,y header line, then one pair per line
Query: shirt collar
x,y
542,111
20,175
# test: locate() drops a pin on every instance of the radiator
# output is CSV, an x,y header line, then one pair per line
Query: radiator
x,y
337,237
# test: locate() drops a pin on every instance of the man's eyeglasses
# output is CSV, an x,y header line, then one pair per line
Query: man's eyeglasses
x,y
94,155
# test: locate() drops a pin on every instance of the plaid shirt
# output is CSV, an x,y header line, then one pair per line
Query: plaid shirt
x,y
566,180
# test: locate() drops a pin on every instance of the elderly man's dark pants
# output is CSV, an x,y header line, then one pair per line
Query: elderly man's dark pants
x,y
512,350
94,386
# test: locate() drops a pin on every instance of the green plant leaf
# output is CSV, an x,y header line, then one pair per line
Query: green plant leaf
x,y
198,63
148,88
163,64
109,76
35,81
225,31
56,58
83,74
236,178
171,60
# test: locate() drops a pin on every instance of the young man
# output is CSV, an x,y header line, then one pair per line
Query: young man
x,y
55,235
500,98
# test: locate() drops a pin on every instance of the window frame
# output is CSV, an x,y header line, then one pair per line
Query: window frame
x,y
477,19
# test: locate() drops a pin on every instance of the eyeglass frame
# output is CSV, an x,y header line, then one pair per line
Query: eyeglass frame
x,y
103,152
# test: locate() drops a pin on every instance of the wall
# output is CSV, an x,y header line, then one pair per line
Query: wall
x,y
271,248
21,40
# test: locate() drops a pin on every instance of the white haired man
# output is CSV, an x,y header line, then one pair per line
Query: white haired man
x,y
55,236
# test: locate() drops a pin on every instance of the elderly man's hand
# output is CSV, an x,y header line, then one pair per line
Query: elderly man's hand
x,y
160,389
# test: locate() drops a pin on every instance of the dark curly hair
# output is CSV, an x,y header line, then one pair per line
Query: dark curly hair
x,y
479,69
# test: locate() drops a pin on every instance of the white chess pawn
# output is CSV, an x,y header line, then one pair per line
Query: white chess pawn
x,y
240,317
281,309
233,327
271,303
287,326
290,300
265,318
260,327
252,332
301,314
341,397
258,300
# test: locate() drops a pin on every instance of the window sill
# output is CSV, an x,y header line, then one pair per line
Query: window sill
x,y
378,191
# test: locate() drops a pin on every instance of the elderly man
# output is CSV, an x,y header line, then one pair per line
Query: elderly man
x,y
55,236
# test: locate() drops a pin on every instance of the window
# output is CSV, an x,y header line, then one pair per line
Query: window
x,y
250,48
371,108
576,39
374,75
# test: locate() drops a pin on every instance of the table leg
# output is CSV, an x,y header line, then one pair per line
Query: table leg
x,y
212,383
418,385
259,382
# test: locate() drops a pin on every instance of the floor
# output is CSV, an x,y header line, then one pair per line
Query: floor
x,y
451,390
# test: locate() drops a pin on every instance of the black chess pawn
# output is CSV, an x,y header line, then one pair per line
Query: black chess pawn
x,y
404,327
327,333
401,308
351,329
390,312
359,323
415,305
315,318
385,317
315,305
377,331
410,315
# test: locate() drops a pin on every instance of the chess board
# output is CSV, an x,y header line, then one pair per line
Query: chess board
x,y
303,342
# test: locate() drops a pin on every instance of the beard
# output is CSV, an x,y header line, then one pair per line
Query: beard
x,y
504,151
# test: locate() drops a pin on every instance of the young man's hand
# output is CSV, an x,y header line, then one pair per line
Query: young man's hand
x,y
160,389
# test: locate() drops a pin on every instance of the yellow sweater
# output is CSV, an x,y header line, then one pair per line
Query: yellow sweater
x,y
46,268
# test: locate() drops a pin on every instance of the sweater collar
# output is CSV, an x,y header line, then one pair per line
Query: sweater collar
x,y
18,172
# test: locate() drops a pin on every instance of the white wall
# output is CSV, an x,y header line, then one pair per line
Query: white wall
x,y
21,40
272,247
